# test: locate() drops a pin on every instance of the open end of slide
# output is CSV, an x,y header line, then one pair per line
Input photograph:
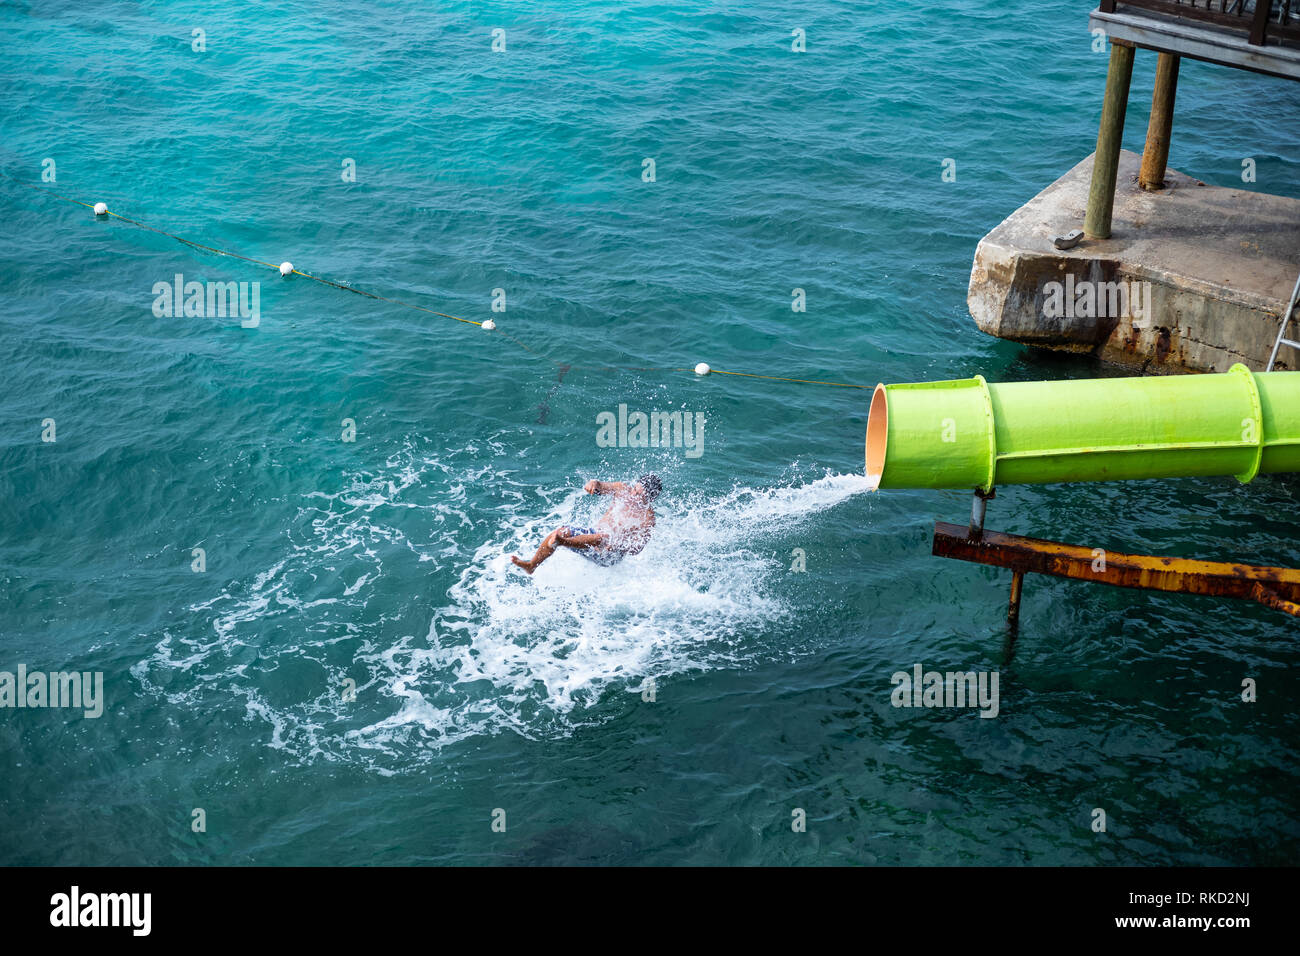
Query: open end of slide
x,y
877,436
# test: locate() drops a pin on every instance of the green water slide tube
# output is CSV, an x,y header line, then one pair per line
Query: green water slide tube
x,y
973,434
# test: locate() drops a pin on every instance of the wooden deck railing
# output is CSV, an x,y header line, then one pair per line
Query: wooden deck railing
x,y
1260,21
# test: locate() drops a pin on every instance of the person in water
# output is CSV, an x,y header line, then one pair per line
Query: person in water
x,y
624,529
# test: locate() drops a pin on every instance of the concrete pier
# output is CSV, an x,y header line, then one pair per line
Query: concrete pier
x,y
1193,277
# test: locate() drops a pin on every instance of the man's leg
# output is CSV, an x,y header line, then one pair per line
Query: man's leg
x,y
545,551
579,542
553,540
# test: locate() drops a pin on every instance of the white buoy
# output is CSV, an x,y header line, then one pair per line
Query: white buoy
x,y
286,268
101,209
489,325
702,369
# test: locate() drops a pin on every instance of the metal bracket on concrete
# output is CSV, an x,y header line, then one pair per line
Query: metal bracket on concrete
x,y
977,506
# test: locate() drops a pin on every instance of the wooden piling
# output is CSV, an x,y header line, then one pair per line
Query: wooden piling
x,y
1155,154
1105,162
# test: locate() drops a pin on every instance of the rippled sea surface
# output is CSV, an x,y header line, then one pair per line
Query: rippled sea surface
x,y
358,676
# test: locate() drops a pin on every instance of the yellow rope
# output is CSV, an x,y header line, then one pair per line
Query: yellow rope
x,y
408,305
778,378
371,295
236,255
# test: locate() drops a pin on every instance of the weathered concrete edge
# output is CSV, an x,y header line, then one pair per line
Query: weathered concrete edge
x,y
1005,297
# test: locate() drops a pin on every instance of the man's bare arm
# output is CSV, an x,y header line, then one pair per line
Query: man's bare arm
x,y
595,487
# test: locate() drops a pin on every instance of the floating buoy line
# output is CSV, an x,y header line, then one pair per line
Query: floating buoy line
x,y
286,269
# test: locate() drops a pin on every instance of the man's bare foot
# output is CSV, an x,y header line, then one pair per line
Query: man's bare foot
x,y
520,562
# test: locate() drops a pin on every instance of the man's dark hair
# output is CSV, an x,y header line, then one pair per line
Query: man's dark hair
x,y
652,486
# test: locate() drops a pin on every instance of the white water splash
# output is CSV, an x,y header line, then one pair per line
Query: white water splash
x,y
501,651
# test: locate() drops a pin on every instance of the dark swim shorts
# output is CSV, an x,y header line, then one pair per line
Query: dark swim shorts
x,y
605,557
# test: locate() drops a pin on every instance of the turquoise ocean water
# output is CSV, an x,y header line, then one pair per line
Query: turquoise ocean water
x,y
381,561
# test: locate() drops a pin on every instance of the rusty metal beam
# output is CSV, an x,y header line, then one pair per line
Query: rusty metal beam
x,y
1278,588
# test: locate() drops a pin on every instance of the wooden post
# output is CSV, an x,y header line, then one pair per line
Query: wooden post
x,y
1259,26
1105,162
1155,154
